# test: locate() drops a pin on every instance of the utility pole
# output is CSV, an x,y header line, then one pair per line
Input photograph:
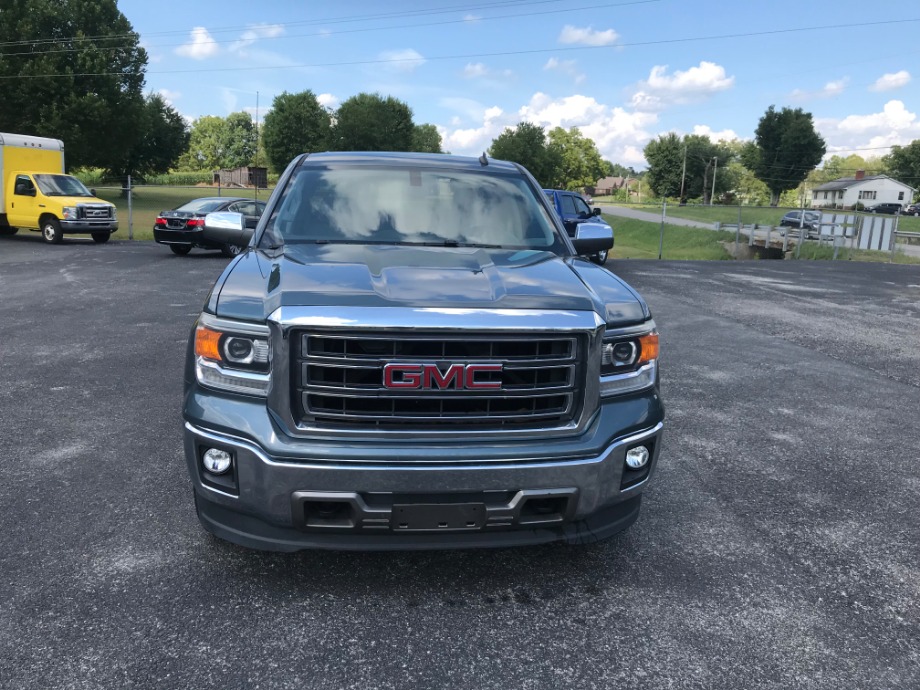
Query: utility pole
x,y
683,175
256,185
714,171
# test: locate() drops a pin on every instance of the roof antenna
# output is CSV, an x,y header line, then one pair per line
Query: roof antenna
x,y
483,161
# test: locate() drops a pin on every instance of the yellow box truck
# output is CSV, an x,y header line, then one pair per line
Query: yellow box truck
x,y
35,194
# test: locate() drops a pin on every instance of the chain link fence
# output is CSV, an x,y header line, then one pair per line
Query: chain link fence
x,y
777,232
139,205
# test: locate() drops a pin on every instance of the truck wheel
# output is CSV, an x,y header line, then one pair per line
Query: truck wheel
x,y
101,237
51,231
8,231
180,249
600,258
230,250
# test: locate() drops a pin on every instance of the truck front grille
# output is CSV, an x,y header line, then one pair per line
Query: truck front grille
x,y
94,212
535,381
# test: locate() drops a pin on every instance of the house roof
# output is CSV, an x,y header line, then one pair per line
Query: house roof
x,y
847,182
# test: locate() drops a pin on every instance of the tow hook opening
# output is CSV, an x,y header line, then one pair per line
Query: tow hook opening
x,y
543,510
328,513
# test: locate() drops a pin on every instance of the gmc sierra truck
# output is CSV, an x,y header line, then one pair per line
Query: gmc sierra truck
x,y
410,354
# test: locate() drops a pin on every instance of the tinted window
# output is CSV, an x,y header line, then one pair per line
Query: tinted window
x,y
568,205
581,207
202,205
411,205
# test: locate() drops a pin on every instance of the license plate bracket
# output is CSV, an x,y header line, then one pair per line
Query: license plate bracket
x,y
438,517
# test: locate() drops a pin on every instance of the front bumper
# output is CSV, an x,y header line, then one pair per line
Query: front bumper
x,y
521,493
83,226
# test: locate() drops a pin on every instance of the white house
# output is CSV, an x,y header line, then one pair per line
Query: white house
x,y
861,189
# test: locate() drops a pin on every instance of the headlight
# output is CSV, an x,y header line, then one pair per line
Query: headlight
x,y
114,213
70,212
628,363
232,357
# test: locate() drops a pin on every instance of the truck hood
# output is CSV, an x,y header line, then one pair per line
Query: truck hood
x,y
77,200
344,275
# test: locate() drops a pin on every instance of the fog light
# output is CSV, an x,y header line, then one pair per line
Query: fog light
x,y
216,461
637,458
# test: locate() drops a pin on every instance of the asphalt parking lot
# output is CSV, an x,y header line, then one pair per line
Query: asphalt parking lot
x,y
778,547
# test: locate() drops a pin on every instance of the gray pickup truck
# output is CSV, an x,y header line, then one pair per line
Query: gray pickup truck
x,y
411,355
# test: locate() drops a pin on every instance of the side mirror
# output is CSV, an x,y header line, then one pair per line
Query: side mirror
x,y
591,238
226,227
93,192
597,211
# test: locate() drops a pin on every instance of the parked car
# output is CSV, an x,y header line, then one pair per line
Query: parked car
x,y
891,208
912,210
811,222
183,228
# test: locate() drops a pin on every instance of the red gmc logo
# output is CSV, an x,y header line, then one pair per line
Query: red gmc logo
x,y
430,376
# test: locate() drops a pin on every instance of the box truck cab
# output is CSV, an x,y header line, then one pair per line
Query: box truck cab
x,y
35,194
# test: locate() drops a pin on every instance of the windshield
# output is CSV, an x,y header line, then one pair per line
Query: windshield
x,y
412,205
202,205
61,185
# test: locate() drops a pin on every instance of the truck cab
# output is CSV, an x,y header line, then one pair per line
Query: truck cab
x,y
35,194
574,211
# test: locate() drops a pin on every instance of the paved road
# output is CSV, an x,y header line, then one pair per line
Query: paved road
x,y
778,547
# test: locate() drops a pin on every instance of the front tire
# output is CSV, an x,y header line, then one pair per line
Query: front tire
x,y
51,231
230,250
180,249
601,257
101,237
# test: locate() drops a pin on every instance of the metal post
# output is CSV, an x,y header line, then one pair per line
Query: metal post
x,y
683,174
130,211
714,171
894,237
798,249
738,231
664,211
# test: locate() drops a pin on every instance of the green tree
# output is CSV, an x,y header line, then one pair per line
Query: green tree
x,y
163,137
296,124
903,163
83,83
526,144
579,164
617,170
785,149
425,139
370,122
665,157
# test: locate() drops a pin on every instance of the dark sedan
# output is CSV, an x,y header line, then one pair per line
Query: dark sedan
x,y
183,228
811,223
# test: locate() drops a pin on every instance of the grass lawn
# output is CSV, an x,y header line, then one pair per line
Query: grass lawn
x,y
638,239
147,202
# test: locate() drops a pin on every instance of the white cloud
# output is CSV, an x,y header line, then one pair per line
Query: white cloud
x,y
889,82
255,32
587,36
662,90
471,18
170,96
829,90
568,67
201,46
721,135
229,99
327,100
479,70
407,60
895,124
475,69
619,134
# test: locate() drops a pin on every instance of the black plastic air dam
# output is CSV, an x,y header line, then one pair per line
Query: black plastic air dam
x,y
252,533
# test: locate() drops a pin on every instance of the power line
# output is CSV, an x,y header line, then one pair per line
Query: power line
x,y
466,56
32,53
332,20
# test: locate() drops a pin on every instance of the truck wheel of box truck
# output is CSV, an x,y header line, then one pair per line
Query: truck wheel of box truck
x,y
51,230
101,237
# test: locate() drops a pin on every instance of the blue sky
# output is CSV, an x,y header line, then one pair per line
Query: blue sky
x,y
622,71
